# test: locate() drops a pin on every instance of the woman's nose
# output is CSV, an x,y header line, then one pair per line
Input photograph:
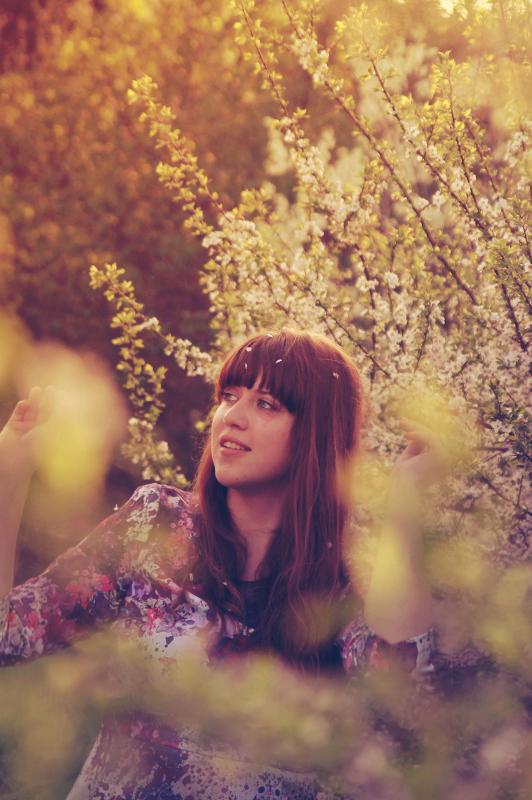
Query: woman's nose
x,y
236,416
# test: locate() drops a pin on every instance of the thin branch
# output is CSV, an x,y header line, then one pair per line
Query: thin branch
x,y
488,482
422,153
406,194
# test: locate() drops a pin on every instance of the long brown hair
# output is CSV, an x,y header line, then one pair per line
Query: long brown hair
x,y
316,381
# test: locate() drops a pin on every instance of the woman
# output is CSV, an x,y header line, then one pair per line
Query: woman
x,y
251,556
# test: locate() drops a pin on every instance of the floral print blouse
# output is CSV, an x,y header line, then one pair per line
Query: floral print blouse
x,y
123,576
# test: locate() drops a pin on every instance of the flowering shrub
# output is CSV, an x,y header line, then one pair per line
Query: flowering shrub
x,y
412,250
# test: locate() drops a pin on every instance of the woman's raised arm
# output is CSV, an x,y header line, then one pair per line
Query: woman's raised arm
x,y
21,442
399,602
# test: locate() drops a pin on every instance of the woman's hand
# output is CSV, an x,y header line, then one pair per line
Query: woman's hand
x,y
21,443
29,424
398,602
425,460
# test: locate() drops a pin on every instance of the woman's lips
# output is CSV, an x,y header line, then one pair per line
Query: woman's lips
x,y
233,445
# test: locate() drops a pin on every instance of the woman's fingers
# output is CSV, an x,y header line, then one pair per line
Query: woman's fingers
x,y
34,397
410,426
48,403
414,447
422,439
38,407
416,432
425,456
26,410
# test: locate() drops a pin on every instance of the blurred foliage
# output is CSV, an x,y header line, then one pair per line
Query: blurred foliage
x,y
77,169
399,226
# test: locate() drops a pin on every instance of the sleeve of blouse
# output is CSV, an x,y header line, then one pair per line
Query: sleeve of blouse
x,y
363,651
81,590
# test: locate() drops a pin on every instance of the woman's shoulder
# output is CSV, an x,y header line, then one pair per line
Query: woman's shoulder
x,y
152,510
154,499
157,495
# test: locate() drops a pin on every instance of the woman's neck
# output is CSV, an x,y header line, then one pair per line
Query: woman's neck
x,y
256,516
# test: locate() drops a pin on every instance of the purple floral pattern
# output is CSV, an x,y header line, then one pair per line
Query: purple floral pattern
x,y
123,575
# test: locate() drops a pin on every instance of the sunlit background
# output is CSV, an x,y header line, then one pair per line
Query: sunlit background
x,y
79,187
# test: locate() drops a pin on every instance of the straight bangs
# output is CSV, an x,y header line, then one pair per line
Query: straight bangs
x,y
270,359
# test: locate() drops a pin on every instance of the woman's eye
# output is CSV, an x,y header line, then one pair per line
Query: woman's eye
x,y
266,404
226,397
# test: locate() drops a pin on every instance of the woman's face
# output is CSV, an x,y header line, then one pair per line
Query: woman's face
x,y
251,439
